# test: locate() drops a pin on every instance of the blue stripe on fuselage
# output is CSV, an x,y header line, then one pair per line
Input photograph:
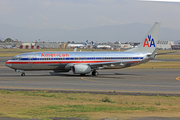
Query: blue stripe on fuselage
x,y
81,58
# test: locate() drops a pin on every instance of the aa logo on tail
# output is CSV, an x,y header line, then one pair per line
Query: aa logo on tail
x,y
149,40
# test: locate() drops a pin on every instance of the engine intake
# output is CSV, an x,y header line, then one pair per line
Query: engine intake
x,y
81,69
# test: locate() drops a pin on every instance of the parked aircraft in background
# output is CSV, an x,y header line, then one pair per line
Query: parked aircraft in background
x,y
100,46
2,46
87,62
78,45
103,46
6,46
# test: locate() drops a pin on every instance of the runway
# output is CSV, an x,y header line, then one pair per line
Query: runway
x,y
165,81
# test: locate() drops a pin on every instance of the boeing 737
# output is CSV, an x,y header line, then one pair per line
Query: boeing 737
x,y
100,46
78,45
87,62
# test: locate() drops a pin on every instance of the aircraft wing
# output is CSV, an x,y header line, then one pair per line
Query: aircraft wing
x,y
106,64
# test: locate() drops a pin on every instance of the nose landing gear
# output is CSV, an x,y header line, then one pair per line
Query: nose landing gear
x,y
22,74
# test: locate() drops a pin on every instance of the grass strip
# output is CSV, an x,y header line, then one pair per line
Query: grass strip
x,y
168,56
159,65
69,110
44,105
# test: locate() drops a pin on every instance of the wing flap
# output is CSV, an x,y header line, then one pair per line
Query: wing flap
x,y
106,64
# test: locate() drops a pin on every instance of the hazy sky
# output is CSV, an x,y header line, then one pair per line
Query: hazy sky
x,y
78,14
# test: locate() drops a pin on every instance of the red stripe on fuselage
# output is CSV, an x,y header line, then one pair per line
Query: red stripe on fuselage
x,y
52,62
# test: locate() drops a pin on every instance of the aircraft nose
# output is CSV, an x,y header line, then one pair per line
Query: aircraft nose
x,y
8,64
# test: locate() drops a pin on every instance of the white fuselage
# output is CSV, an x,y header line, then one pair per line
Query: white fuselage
x,y
63,60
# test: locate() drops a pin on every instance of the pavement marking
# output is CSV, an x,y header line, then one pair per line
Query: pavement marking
x,y
82,78
178,78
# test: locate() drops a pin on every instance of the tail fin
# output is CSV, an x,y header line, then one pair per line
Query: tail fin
x,y
92,42
148,45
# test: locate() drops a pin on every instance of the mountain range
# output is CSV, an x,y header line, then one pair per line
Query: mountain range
x,y
133,32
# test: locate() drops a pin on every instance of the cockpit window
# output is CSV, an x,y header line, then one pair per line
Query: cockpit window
x,y
17,57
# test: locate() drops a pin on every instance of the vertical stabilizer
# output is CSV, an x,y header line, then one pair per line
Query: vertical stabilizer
x,y
148,45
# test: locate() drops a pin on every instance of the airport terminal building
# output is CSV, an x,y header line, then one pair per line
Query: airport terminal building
x,y
165,45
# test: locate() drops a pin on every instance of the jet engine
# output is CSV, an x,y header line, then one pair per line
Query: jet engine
x,y
81,69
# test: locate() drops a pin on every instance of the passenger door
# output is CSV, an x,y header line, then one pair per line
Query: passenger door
x,y
32,59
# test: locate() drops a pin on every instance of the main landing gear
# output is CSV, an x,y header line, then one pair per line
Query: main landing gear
x,y
95,73
22,74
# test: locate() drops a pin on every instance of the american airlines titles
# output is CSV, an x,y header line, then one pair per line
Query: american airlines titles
x,y
54,55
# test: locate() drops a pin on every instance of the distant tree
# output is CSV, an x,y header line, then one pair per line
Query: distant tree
x,y
73,42
9,40
68,42
0,40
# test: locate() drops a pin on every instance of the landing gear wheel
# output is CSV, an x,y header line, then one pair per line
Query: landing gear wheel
x,y
95,73
23,74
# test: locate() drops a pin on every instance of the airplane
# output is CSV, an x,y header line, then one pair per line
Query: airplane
x,y
100,46
2,46
103,46
78,45
87,62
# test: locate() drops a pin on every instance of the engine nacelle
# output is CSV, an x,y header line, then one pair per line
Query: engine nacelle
x,y
81,69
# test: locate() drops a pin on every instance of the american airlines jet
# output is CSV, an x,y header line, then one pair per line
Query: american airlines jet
x,y
87,62
78,45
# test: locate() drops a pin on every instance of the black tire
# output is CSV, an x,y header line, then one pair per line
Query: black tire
x,y
95,73
22,74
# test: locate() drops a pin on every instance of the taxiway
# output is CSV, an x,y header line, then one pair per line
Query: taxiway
x,y
120,80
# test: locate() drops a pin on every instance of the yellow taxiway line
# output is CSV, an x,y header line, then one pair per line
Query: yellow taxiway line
x,y
178,78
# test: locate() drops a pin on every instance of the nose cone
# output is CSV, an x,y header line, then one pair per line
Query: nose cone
x,y
8,64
